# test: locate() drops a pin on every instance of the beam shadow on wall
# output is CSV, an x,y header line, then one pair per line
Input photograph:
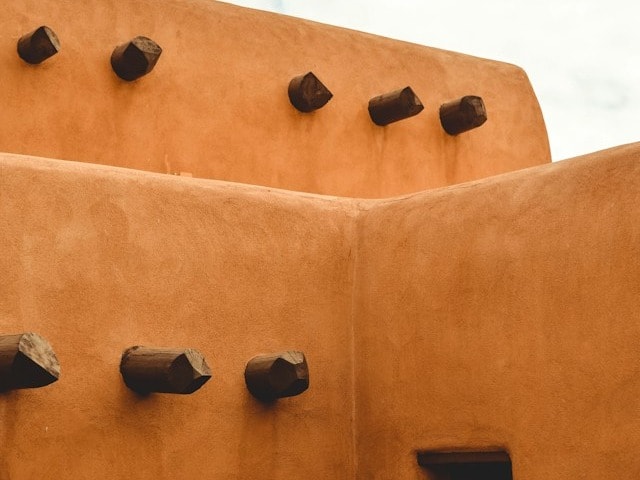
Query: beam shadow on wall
x,y
465,465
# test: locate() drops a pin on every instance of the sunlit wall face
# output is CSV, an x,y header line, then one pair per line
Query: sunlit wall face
x,y
582,56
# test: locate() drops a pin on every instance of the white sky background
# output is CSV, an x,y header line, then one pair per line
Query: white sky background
x,y
582,56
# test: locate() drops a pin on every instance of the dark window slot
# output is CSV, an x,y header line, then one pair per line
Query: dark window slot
x,y
461,465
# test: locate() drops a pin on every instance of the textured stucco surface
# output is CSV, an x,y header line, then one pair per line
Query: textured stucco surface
x,y
499,313
504,313
97,259
216,103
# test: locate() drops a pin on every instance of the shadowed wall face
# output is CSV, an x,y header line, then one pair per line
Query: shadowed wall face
x,y
97,259
493,315
507,314
216,103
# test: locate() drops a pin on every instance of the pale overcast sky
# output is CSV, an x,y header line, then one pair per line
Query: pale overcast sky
x,y
582,56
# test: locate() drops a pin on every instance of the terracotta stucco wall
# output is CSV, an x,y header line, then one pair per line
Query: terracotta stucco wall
x,y
97,259
501,313
504,313
216,103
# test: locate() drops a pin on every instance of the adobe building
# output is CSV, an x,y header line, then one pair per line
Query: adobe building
x,y
432,300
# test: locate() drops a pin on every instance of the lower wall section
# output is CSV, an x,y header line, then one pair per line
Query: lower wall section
x,y
97,259
495,316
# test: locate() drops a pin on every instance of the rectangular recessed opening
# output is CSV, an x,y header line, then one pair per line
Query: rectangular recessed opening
x,y
463,465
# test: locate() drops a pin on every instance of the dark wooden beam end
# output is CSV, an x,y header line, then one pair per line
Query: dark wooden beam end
x,y
307,93
162,370
394,106
27,361
135,58
463,114
35,47
284,374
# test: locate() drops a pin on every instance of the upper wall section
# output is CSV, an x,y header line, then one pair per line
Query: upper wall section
x,y
216,104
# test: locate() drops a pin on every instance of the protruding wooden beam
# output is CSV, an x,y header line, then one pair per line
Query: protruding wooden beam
x,y
27,361
35,47
394,106
463,114
135,58
163,370
284,374
307,93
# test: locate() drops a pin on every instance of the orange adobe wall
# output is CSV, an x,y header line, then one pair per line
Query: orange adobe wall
x,y
504,314
216,104
499,313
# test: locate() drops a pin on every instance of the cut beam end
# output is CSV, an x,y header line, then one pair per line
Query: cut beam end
x,y
307,93
463,114
27,361
35,47
135,58
279,375
160,370
394,106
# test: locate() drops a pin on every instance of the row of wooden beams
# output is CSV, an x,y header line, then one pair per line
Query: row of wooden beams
x,y
27,360
137,57
307,94
130,60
